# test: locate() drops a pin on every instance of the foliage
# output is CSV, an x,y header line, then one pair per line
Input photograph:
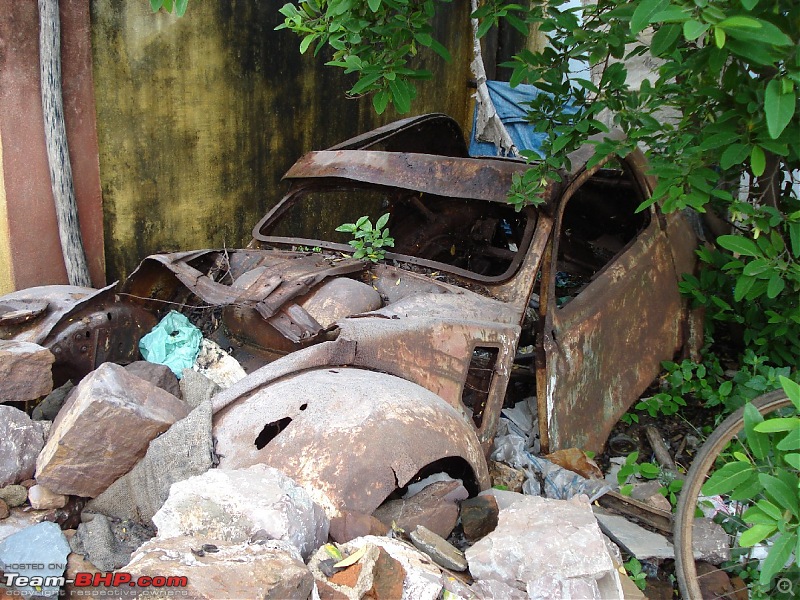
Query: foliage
x,y
765,474
633,468
374,38
168,5
635,572
369,241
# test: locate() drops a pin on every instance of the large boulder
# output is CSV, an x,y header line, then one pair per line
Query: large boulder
x,y
25,371
21,440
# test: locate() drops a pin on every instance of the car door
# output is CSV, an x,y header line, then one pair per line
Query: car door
x,y
612,310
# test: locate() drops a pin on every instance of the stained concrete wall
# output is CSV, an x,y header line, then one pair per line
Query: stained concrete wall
x,y
30,251
198,117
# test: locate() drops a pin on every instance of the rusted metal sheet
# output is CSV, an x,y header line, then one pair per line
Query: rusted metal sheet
x,y
351,437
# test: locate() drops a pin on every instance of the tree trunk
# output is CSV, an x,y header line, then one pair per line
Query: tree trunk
x,y
57,149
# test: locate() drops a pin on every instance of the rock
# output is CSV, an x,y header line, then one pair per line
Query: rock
x,y
5,511
25,371
632,538
219,366
186,449
28,483
434,508
93,442
630,590
537,537
380,574
551,587
159,375
68,516
42,499
505,476
48,409
710,543
504,498
14,495
443,553
576,461
491,589
109,543
77,563
19,519
234,505
21,440
350,525
714,582
37,551
648,492
269,570
479,516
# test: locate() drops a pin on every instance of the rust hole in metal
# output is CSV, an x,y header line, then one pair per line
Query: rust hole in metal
x,y
479,381
455,466
303,406
271,431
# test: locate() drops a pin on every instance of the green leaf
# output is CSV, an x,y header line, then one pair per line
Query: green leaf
x,y
741,245
400,96
719,37
778,555
306,42
380,101
664,39
794,236
793,460
382,221
781,493
644,12
156,4
758,161
735,154
749,29
792,390
727,478
742,288
775,286
441,50
758,442
779,107
718,140
180,7
374,5
694,29
782,424
755,534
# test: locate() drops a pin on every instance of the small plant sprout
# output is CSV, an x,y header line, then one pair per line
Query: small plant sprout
x,y
369,242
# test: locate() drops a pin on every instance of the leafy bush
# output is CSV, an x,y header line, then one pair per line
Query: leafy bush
x,y
369,241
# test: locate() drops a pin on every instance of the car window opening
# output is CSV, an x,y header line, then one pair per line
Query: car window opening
x,y
598,223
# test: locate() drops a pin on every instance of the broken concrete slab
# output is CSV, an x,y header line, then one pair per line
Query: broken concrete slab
x,y
21,440
42,498
159,375
538,537
441,552
634,539
234,505
38,551
91,445
25,371
186,449
710,543
479,516
271,570
376,575
434,507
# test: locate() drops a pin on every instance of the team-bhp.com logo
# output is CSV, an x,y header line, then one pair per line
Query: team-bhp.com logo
x,y
94,580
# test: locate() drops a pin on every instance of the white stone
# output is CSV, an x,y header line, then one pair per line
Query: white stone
x,y
21,440
41,498
635,540
542,538
259,502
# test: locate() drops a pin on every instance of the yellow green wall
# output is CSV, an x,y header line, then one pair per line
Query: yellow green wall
x,y
198,117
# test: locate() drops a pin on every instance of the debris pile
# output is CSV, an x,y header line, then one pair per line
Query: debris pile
x,y
125,481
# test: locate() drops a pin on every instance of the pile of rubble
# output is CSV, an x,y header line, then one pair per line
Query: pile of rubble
x,y
118,475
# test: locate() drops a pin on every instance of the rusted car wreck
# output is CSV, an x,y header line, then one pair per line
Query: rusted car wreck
x,y
365,376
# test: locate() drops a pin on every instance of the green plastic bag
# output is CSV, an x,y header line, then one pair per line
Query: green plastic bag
x,y
174,342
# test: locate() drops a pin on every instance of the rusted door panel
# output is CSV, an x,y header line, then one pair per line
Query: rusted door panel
x,y
605,346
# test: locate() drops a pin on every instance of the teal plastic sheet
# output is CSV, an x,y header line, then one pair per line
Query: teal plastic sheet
x,y
174,342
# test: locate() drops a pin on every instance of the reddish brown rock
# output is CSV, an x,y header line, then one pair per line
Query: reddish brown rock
x,y
506,477
111,418
159,375
4,510
434,508
388,576
351,525
347,577
326,592
479,516
25,371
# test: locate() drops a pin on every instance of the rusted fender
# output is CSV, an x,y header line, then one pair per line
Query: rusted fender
x,y
349,436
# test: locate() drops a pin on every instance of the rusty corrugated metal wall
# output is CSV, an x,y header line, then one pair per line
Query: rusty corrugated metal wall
x,y
199,117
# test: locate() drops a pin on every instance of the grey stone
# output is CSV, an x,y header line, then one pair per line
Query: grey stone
x,y
18,520
271,570
21,440
104,431
48,409
41,498
710,543
234,505
25,371
442,552
491,589
14,495
551,587
479,516
632,538
186,449
504,498
108,543
43,548
434,507
537,537
159,375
